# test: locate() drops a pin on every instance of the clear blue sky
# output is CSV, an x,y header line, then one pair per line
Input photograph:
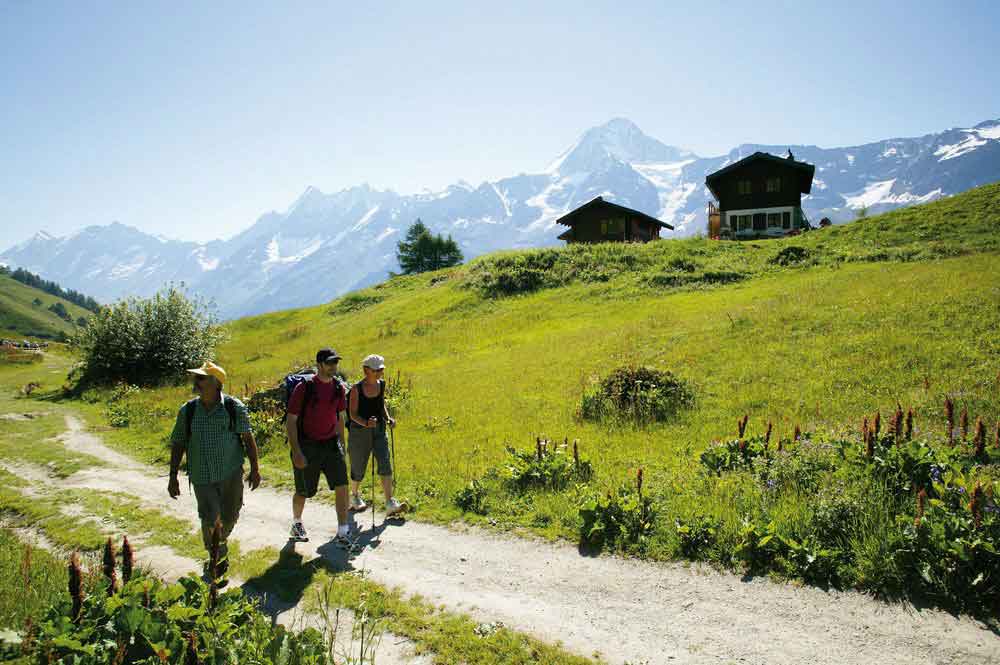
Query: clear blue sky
x,y
191,119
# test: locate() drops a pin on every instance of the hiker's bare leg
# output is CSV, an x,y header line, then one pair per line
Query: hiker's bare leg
x,y
298,504
356,487
341,500
387,487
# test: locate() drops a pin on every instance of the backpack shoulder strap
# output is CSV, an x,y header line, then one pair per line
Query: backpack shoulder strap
x,y
230,405
189,416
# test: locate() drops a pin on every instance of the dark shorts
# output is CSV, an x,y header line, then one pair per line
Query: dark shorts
x,y
365,441
326,457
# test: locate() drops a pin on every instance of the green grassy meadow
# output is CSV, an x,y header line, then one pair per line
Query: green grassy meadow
x,y
815,331
19,317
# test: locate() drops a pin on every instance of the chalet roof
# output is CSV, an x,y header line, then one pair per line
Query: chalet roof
x,y
570,218
806,170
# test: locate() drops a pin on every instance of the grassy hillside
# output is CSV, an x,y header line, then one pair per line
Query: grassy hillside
x,y
816,330
20,317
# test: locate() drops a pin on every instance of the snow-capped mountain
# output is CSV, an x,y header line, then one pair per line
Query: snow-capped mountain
x,y
324,245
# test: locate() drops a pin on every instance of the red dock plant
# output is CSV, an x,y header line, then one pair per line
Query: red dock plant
x,y
897,423
996,437
877,426
128,560
191,652
213,565
798,433
963,422
576,455
110,570
949,414
976,505
979,442
921,502
909,424
767,434
742,424
76,586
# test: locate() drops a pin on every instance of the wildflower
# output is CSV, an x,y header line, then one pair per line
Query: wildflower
x,y
798,433
772,483
935,473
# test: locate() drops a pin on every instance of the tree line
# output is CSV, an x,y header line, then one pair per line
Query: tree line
x,y
33,280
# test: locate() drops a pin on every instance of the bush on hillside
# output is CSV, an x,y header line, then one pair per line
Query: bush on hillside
x,y
146,341
636,394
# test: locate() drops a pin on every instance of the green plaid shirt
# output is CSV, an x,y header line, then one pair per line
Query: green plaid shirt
x,y
214,453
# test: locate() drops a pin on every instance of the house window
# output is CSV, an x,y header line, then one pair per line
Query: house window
x,y
774,220
786,220
759,221
732,222
744,187
774,184
744,222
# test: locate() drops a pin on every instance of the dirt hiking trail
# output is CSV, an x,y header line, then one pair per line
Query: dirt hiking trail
x,y
626,610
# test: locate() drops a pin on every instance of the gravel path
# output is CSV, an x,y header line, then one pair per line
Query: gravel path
x,y
626,610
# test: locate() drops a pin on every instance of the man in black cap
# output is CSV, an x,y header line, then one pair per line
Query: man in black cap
x,y
316,436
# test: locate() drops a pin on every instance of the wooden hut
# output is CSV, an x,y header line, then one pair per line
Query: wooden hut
x,y
603,221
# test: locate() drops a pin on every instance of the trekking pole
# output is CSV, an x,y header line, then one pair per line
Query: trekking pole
x,y
392,448
373,482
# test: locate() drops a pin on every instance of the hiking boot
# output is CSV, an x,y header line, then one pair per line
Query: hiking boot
x,y
357,503
298,531
393,506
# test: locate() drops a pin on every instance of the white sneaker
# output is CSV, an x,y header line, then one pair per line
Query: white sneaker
x,y
357,503
393,506
298,531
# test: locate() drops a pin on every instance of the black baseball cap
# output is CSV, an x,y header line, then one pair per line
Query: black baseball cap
x,y
326,355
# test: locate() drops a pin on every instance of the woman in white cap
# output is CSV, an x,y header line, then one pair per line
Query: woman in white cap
x,y
369,418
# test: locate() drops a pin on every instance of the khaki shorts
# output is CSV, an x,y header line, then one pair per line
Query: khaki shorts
x,y
363,441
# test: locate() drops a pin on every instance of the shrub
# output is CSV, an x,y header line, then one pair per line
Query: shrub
x,y
637,394
146,341
791,255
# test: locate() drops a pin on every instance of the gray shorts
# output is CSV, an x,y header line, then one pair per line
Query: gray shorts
x,y
361,444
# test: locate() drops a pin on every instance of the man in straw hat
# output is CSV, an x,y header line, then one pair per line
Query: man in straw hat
x,y
213,429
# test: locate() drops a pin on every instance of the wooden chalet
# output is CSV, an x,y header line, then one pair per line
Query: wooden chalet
x,y
603,221
760,196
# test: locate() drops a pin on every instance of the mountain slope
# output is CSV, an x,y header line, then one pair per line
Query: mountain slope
x,y
21,317
327,244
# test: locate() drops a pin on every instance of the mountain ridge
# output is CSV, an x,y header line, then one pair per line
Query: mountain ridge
x,y
324,245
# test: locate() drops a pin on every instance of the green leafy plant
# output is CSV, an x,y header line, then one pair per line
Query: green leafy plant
x,y
472,498
549,466
622,517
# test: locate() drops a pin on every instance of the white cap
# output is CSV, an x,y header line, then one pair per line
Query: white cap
x,y
374,362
